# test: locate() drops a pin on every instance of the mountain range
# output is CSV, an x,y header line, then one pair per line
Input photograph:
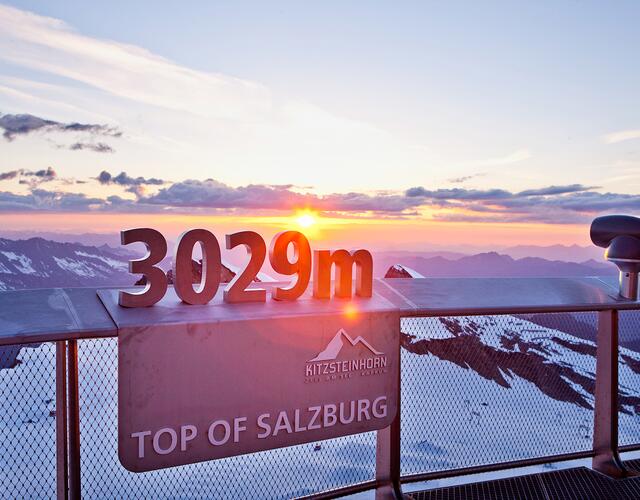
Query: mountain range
x,y
40,263
491,264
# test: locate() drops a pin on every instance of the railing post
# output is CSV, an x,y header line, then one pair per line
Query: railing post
x,y
388,456
62,458
74,421
605,426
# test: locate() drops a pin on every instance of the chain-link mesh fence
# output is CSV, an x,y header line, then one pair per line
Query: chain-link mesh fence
x,y
491,389
629,377
475,390
27,421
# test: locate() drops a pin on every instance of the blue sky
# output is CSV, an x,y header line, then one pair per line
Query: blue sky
x,y
333,97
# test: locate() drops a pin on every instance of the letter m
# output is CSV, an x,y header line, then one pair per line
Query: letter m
x,y
323,262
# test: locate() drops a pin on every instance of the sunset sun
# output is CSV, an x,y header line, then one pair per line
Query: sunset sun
x,y
306,220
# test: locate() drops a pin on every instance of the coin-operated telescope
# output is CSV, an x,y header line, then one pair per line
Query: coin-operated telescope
x,y
620,235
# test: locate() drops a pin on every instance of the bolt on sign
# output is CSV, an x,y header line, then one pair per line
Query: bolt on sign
x,y
204,382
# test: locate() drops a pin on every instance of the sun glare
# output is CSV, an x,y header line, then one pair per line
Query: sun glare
x,y
306,220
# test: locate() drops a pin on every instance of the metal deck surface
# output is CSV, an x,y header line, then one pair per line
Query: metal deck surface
x,y
52,314
570,484
458,296
171,310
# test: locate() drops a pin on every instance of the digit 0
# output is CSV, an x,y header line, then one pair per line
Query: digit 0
x,y
183,269
156,278
278,256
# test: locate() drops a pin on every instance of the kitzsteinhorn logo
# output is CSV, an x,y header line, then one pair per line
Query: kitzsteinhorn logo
x,y
325,364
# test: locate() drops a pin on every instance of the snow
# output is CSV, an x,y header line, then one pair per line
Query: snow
x,y
412,273
75,266
21,262
113,263
4,269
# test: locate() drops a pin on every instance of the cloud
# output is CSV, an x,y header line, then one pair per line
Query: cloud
x,y
123,179
99,147
50,45
47,174
214,194
42,200
494,195
465,178
457,194
556,204
553,204
15,125
35,176
216,118
553,190
620,136
569,204
12,174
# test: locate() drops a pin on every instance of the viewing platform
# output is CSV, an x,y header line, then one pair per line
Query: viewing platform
x,y
434,390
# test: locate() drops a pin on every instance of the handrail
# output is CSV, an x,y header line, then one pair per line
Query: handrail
x,y
49,315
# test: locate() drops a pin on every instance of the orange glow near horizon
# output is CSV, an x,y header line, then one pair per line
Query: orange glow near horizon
x,y
373,234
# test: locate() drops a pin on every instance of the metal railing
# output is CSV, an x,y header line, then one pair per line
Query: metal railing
x,y
59,415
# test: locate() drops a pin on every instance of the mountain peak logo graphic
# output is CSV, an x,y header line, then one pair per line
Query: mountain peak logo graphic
x,y
334,347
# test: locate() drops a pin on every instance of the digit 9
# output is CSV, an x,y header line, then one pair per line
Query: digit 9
x,y
278,256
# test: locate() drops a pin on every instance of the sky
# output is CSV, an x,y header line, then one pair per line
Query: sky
x,y
394,124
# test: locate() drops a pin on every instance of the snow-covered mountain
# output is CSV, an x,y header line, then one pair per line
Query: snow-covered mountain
x,y
402,271
503,348
491,264
37,263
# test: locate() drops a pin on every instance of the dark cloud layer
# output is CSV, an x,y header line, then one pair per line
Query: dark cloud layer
x,y
214,194
553,204
98,147
558,204
31,177
574,203
12,174
24,124
122,179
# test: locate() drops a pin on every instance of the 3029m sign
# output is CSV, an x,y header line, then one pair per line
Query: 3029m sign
x,y
322,262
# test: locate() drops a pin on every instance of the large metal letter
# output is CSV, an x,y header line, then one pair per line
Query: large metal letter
x,y
257,250
156,278
183,271
323,260
281,264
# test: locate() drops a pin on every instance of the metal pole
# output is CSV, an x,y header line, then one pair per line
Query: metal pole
x,y
388,456
605,426
62,460
74,422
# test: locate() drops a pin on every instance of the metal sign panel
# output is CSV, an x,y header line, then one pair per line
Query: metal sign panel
x,y
190,391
